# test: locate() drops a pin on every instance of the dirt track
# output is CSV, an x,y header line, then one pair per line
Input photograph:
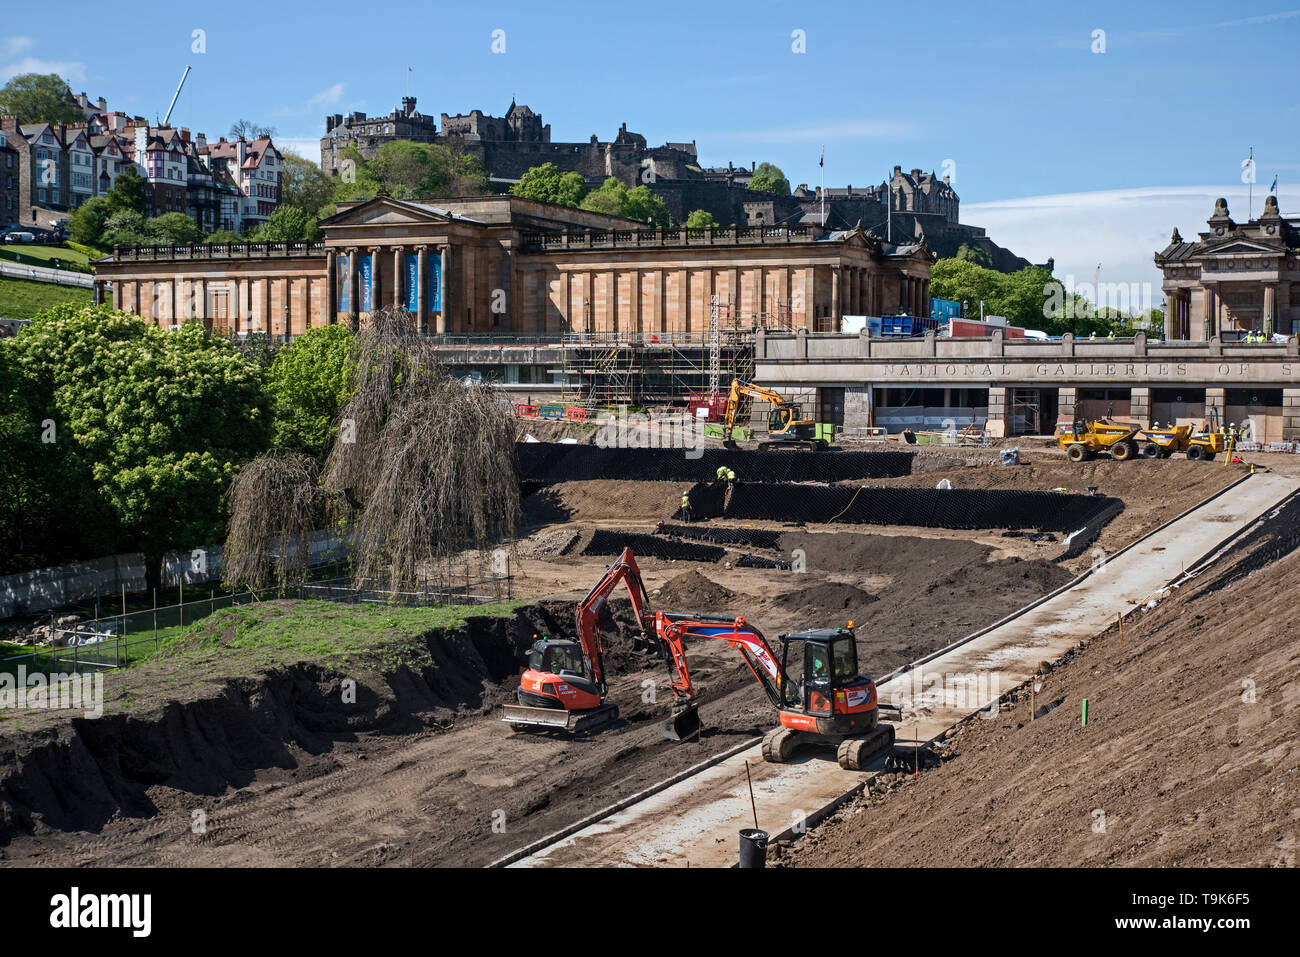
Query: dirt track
x,y
423,782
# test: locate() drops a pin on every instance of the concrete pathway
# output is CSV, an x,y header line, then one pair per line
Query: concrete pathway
x,y
696,821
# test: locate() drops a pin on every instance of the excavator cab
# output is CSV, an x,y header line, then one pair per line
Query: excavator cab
x,y
819,666
556,657
558,677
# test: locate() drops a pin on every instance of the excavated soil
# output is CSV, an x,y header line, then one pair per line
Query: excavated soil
x,y
420,771
1189,757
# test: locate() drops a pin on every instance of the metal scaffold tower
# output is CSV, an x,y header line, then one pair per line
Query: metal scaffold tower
x,y
664,368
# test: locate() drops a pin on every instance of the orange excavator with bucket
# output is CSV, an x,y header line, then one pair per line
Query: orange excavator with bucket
x,y
813,682
564,685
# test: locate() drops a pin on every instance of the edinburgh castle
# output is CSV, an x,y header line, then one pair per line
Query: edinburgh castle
x,y
910,207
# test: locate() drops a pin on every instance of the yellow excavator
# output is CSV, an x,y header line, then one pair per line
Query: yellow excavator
x,y
787,426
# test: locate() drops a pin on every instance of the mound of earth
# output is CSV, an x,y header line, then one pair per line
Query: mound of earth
x,y
691,591
826,602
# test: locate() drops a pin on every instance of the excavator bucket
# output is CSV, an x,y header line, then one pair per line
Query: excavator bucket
x,y
683,725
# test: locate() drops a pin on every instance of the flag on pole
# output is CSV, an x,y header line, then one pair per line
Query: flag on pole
x,y
822,162
1273,188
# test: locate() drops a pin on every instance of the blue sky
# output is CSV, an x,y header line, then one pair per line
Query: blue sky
x,y
1058,150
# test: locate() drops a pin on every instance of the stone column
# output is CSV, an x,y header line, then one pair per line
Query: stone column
x,y
1215,404
1270,308
1140,405
1290,415
399,275
1209,310
834,323
98,298
286,306
634,296
1066,397
996,426
446,289
1171,316
266,306
331,288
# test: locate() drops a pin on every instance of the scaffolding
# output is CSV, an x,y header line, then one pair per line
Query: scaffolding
x,y
654,369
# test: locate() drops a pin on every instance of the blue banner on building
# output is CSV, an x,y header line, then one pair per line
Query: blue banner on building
x,y
341,284
366,279
413,283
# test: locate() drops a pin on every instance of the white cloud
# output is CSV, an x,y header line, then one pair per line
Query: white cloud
x,y
327,97
15,60
1122,229
74,71
306,147
14,46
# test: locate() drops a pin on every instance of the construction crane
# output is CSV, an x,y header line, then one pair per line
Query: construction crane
x,y
813,682
787,427
172,105
564,685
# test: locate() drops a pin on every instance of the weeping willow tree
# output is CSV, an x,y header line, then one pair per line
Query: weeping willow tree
x,y
423,465
275,504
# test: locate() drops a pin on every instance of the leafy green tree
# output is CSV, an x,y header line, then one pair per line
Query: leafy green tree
x,y
645,207
548,184
128,193
610,199
86,224
126,228
222,236
307,386
769,179
304,184
173,229
615,199
39,98
159,421
287,224
700,219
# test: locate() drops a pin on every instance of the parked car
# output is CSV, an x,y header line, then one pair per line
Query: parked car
x,y
20,236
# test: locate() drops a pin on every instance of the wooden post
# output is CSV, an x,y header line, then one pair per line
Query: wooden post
x,y
752,806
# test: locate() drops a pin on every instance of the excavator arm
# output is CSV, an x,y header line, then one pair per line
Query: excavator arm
x,y
587,613
672,629
742,393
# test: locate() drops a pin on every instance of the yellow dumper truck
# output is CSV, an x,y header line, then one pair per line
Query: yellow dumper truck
x,y
1200,446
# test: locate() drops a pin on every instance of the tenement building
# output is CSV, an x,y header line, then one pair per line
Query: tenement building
x,y
1236,279
504,265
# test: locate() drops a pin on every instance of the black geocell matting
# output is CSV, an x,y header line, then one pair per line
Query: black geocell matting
x,y
550,462
753,537
606,542
1276,538
926,508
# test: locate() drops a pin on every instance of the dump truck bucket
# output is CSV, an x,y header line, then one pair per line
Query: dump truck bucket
x,y
521,717
683,725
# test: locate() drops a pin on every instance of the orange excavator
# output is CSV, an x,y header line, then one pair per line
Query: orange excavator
x,y
564,685
813,682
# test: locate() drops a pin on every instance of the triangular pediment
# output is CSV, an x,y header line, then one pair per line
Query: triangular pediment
x,y
385,211
1234,246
